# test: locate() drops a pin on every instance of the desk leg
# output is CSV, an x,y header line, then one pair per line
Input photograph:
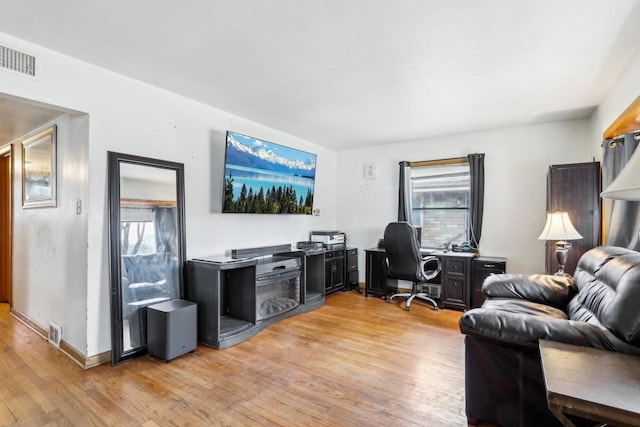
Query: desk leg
x,y
557,411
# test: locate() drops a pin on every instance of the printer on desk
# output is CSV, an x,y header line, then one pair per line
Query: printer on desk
x,y
329,238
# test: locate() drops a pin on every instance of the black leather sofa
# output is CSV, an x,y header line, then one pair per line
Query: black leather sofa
x,y
599,307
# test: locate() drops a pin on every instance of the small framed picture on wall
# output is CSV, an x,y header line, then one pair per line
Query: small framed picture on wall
x,y
39,169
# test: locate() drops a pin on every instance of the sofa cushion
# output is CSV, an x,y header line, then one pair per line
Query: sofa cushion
x,y
512,320
531,308
524,323
608,282
555,291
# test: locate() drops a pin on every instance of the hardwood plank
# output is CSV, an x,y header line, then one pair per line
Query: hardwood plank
x,y
6,417
354,361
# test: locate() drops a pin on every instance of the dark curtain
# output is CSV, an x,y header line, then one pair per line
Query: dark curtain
x,y
166,230
166,224
476,170
622,218
404,193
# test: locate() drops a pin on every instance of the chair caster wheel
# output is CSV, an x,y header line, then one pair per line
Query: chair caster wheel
x,y
407,309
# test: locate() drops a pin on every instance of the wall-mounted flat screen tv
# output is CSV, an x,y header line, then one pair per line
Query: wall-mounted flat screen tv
x,y
263,177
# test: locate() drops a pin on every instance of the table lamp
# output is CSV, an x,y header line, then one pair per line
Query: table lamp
x,y
626,186
559,228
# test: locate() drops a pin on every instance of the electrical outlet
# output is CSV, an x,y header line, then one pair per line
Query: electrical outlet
x,y
316,212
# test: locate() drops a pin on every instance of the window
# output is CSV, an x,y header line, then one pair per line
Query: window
x,y
440,202
138,231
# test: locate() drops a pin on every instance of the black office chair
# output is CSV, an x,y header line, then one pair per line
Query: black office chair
x,y
405,262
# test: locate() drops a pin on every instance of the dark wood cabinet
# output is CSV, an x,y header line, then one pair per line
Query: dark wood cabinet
x,y
352,268
484,267
456,282
334,270
575,188
314,275
376,281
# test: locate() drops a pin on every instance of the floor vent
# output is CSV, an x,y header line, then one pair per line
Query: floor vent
x,y
20,62
55,334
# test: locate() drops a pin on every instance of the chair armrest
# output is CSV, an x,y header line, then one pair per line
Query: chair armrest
x,y
432,261
516,328
555,291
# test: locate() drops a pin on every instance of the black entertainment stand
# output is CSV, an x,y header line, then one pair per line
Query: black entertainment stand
x,y
237,298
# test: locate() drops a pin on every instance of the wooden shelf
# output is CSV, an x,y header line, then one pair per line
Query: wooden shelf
x,y
628,121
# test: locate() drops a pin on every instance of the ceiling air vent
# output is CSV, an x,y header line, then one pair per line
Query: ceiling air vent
x,y
17,61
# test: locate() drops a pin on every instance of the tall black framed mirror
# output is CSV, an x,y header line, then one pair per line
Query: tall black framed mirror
x,y
146,245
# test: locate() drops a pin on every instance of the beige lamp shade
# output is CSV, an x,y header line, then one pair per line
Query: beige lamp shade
x,y
559,227
626,186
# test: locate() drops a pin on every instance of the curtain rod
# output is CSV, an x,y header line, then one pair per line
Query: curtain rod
x,y
439,162
619,139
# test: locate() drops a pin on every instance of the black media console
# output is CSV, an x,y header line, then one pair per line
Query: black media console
x,y
238,297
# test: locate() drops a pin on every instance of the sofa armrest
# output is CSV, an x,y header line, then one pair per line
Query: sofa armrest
x,y
526,330
555,291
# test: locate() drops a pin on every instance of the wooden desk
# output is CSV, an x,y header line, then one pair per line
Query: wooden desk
x,y
455,277
593,384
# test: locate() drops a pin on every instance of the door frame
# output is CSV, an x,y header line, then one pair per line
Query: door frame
x,y
6,222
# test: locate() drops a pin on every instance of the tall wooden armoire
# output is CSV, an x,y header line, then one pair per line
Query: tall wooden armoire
x,y
575,188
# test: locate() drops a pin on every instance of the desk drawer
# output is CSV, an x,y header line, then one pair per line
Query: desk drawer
x,y
483,267
352,260
339,253
455,291
492,266
454,266
456,282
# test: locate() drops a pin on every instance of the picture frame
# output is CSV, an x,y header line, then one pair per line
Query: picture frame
x,y
39,169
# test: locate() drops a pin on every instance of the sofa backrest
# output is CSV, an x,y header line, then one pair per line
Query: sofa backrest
x,y
608,282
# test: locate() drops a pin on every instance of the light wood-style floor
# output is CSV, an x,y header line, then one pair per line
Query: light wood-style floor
x,y
354,362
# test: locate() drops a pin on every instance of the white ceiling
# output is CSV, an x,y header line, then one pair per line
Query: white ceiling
x,y
349,73
17,117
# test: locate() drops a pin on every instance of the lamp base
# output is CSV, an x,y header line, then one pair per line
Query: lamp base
x,y
562,252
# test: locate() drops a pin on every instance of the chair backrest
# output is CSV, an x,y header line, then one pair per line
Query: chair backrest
x,y
403,251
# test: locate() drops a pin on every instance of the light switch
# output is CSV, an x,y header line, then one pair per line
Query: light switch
x,y
369,171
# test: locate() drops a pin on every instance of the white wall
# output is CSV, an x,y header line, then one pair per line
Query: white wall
x,y
516,164
621,95
147,189
50,244
131,117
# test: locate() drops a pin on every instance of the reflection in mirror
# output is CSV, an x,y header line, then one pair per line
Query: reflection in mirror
x,y
147,242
